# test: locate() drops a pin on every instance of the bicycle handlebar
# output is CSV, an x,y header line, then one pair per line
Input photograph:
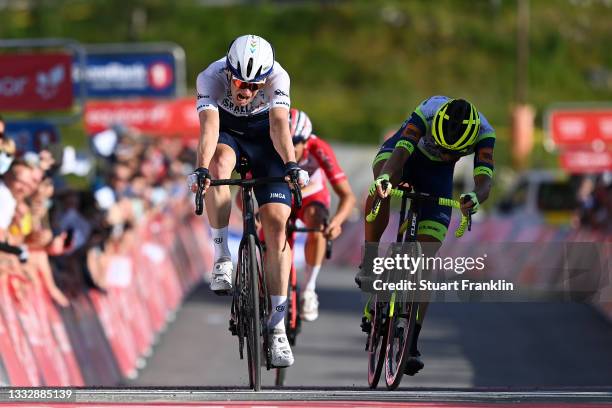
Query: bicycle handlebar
x,y
328,242
295,191
466,221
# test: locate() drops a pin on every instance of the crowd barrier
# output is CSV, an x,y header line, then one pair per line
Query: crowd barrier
x,y
104,337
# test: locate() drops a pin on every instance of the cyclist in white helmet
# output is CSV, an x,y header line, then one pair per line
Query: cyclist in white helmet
x,y
243,105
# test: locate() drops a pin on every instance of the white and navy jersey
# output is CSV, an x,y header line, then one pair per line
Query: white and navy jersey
x,y
213,92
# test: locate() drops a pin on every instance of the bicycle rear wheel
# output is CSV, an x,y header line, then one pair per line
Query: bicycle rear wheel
x,y
377,341
253,315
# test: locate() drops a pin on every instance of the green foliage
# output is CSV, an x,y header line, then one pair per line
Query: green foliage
x,y
358,67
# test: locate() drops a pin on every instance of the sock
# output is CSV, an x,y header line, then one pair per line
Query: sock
x,y
414,348
310,277
277,314
219,237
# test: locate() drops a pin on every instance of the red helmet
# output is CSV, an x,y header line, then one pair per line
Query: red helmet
x,y
299,126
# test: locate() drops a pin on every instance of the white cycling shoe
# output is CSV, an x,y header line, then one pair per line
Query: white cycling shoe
x,y
221,282
281,354
309,310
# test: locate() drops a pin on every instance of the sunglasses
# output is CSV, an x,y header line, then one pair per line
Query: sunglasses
x,y
252,86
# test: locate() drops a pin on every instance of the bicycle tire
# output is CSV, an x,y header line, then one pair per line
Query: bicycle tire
x,y
253,314
406,314
377,344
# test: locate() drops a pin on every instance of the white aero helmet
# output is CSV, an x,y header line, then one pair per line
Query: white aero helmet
x,y
250,58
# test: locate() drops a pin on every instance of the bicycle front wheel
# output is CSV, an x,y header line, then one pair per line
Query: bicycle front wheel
x,y
253,318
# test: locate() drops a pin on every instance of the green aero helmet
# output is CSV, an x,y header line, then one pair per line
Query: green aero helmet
x,y
455,125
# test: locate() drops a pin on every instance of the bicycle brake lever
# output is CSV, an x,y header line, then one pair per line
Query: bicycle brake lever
x,y
199,198
297,193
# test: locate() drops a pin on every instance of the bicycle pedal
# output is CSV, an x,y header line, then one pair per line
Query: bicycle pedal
x,y
366,325
224,292
291,337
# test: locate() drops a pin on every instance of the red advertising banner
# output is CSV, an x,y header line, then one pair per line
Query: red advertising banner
x,y
586,162
35,82
170,118
574,127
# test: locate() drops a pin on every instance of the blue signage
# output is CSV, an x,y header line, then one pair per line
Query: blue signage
x,y
32,136
121,75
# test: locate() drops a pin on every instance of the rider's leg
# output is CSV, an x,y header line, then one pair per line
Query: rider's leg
x,y
314,216
218,206
277,260
430,237
435,178
277,266
430,246
219,199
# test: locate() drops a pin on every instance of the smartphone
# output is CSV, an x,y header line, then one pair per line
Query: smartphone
x,y
69,236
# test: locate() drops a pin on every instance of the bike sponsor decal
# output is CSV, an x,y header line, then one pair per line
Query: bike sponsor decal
x,y
278,195
280,92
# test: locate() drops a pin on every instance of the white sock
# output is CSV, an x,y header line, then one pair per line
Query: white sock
x,y
310,277
219,237
277,314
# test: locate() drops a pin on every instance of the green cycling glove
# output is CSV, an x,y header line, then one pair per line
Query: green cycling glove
x,y
378,182
474,198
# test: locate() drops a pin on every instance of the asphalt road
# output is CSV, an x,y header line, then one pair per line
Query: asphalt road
x,y
507,345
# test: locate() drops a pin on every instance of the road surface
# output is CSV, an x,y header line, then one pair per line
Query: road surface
x,y
507,345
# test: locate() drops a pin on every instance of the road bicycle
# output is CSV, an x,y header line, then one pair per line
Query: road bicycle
x,y
250,300
390,324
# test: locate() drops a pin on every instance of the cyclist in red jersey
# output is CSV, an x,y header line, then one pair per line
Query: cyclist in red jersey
x,y
317,158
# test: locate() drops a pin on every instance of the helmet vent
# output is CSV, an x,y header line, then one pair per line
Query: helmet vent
x,y
249,67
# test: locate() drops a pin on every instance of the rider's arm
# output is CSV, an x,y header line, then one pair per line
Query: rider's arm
x,y
280,134
484,166
209,135
411,131
208,87
346,204
279,87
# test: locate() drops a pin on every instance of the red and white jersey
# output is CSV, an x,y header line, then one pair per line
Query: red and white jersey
x,y
320,162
